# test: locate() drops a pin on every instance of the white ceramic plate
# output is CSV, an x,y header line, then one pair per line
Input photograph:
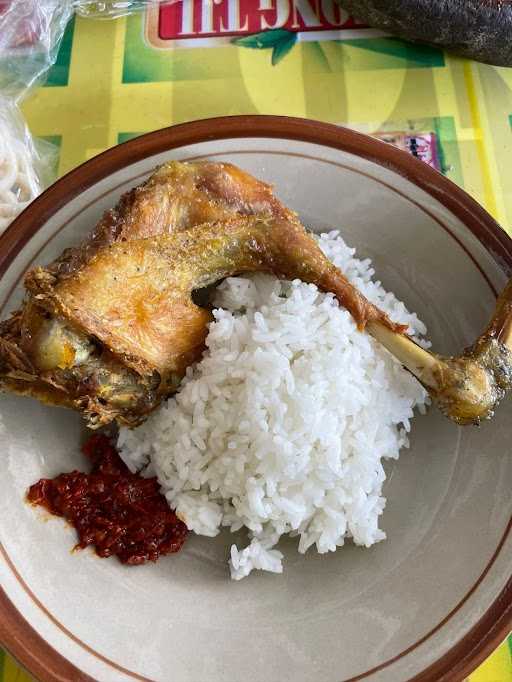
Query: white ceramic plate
x,y
428,604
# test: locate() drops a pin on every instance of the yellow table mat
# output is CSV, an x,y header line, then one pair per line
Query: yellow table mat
x,y
111,84
116,80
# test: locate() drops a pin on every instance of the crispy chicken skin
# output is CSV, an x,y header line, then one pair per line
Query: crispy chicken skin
x,y
110,327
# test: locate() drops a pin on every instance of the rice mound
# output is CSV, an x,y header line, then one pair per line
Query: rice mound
x,y
283,424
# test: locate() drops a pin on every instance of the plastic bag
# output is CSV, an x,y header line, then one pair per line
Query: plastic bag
x,y
25,165
30,35
116,8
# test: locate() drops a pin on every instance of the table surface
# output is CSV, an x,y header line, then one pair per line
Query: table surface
x,y
114,80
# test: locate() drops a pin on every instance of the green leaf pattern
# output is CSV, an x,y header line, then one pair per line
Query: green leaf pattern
x,y
279,40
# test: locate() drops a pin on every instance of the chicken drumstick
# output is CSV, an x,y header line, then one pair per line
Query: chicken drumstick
x,y
110,327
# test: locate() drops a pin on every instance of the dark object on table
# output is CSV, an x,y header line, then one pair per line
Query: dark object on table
x,y
478,29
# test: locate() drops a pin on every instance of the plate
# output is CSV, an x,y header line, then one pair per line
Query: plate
x,y
429,603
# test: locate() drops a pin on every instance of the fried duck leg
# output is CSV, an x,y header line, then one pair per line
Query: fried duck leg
x,y
110,327
467,388
155,326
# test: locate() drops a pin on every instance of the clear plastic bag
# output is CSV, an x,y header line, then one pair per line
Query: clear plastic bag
x,y
24,164
116,8
30,35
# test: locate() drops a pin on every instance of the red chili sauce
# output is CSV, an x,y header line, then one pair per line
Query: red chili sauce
x,y
117,512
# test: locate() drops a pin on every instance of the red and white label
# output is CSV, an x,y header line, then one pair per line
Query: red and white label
x,y
189,23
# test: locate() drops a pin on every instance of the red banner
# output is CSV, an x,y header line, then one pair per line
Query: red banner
x,y
223,18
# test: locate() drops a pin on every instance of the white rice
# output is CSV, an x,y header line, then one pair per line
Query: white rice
x,y
282,426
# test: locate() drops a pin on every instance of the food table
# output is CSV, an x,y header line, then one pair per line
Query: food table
x,y
114,80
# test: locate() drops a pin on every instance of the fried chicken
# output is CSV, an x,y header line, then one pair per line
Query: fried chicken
x,y
110,327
